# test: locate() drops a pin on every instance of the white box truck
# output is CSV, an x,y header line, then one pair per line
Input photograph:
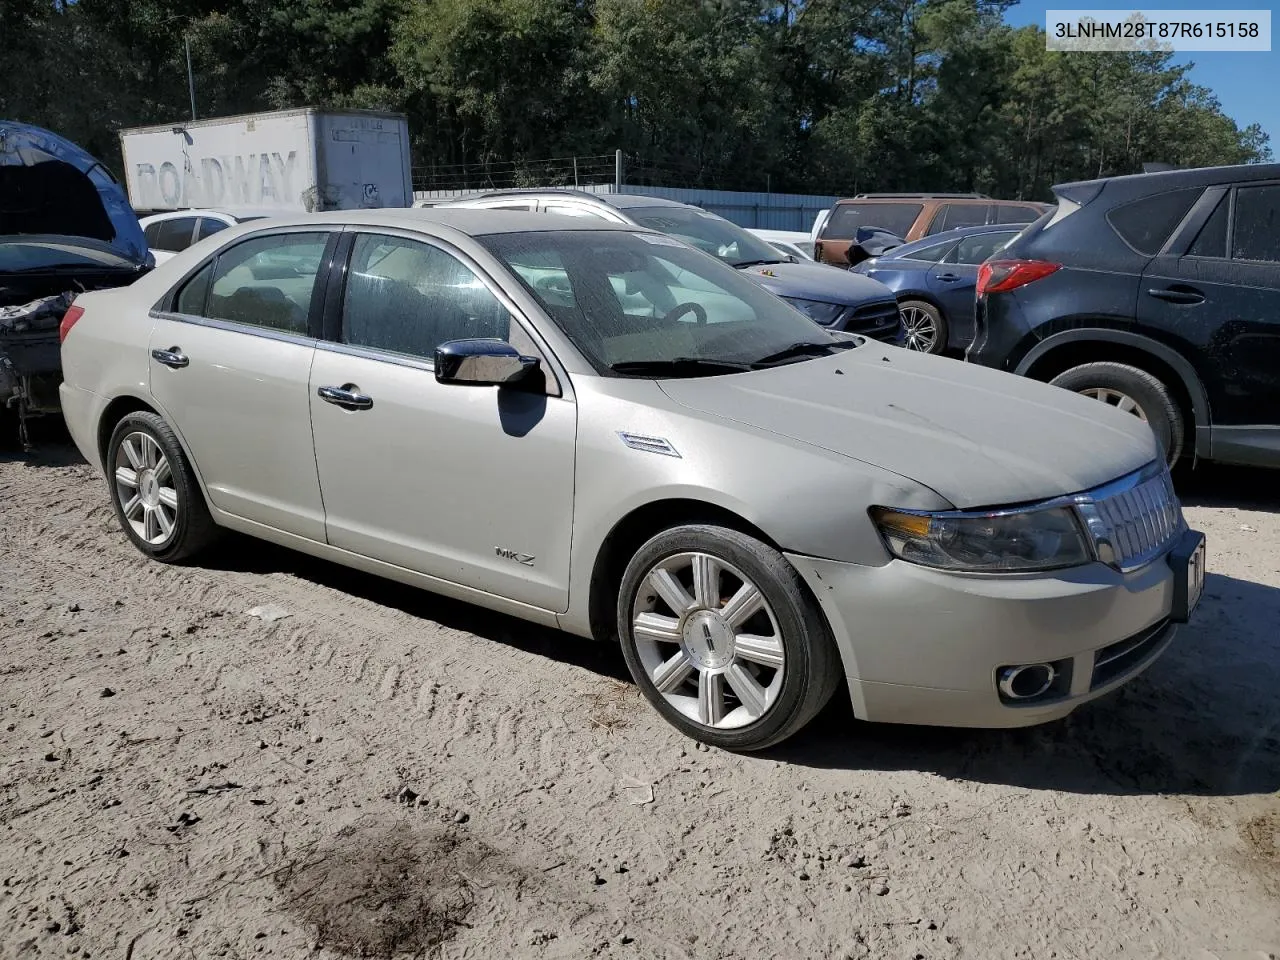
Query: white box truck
x,y
303,160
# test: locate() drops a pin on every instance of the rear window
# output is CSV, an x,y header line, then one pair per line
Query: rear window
x,y
1145,224
897,218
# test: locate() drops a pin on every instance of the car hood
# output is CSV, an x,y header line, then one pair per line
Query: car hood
x,y
976,436
51,187
817,281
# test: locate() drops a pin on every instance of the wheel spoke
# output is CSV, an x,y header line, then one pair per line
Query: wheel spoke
x,y
711,697
150,451
670,590
656,628
1125,403
150,528
672,673
164,520
747,688
706,581
162,469
766,651
127,477
132,507
130,448
743,605
169,498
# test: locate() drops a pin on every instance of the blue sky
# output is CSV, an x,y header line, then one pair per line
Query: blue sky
x,y
1244,82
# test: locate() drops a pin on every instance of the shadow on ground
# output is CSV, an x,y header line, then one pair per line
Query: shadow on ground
x,y
1216,485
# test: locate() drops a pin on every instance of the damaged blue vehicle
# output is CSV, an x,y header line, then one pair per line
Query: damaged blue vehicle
x,y
65,227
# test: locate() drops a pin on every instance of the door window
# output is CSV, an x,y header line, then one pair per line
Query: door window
x,y
1012,213
1211,241
208,227
570,210
192,297
933,253
174,235
1256,235
953,215
268,281
978,248
409,297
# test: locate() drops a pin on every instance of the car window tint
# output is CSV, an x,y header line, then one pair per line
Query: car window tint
x,y
955,215
1256,235
268,281
570,210
845,220
409,297
1211,241
208,227
191,298
1145,224
979,248
1011,213
152,233
175,235
932,253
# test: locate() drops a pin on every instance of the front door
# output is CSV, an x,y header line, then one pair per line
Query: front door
x,y
230,364
473,485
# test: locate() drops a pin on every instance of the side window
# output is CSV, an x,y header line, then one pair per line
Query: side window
x,y
1011,213
1211,241
152,233
1256,235
954,215
208,227
268,281
175,235
933,253
1145,224
974,250
409,297
512,205
192,297
570,210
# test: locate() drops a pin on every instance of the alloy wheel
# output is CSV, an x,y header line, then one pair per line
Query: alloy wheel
x,y
921,332
1114,398
708,640
145,488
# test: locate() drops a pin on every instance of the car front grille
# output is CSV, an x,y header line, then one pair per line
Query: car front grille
x,y
1120,658
1133,520
878,320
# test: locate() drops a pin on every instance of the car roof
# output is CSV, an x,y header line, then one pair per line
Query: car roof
x,y
621,201
468,220
236,214
1139,184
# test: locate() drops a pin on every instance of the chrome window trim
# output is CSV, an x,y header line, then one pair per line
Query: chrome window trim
x,y
232,326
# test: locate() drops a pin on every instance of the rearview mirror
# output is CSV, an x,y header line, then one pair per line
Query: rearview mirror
x,y
482,363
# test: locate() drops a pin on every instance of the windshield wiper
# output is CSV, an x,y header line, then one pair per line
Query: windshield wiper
x,y
760,263
800,350
679,367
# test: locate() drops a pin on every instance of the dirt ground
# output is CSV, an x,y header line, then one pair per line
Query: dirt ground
x,y
386,773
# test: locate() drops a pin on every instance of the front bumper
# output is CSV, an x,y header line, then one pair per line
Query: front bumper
x,y
924,646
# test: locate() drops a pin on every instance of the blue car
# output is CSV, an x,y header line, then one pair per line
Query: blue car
x,y
934,280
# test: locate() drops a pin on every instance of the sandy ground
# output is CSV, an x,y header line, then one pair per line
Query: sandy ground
x,y
383,772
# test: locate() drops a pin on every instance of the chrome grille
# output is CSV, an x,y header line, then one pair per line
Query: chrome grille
x,y
1133,520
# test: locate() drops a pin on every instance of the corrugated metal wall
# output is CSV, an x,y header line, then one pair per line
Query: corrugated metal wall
x,y
769,211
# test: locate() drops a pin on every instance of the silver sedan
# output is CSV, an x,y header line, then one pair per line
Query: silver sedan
x,y
599,428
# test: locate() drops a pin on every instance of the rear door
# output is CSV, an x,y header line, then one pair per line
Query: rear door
x,y
1215,293
230,361
953,282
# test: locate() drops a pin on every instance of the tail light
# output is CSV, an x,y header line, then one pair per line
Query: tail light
x,y
1001,276
69,319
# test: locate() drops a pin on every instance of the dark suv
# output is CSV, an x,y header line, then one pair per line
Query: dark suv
x,y
1157,293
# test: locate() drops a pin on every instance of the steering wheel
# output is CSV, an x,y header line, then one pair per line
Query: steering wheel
x,y
680,309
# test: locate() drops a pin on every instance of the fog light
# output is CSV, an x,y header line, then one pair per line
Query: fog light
x,y
1027,681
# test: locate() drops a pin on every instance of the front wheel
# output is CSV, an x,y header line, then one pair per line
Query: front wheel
x,y
1133,391
722,638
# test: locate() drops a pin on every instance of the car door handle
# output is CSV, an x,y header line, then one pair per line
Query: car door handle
x,y
949,277
1177,295
347,396
173,357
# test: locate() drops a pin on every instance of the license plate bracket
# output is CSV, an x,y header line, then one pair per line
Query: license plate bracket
x,y
1188,562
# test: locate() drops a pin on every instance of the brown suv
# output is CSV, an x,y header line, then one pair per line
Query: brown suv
x,y
912,216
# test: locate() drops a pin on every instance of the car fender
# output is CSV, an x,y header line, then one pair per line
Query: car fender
x,y
1178,363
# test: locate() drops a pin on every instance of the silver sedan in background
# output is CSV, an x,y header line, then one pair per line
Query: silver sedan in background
x,y
599,428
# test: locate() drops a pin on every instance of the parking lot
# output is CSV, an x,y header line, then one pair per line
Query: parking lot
x,y
385,772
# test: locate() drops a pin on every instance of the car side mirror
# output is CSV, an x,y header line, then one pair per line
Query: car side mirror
x,y
482,363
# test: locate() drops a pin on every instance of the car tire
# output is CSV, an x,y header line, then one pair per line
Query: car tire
x,y
733,669
154,490
924,328
1135,391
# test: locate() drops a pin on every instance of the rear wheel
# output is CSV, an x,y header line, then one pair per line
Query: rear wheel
x,y
154,490
924,328
1133,391
722,638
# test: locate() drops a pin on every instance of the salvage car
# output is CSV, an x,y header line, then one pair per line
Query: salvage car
x,y
173,231
830,298
1158,294
65,227
599,428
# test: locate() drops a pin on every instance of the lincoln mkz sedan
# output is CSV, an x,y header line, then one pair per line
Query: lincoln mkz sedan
x,y
599,428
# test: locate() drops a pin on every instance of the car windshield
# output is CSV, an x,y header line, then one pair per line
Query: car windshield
x,y
642,304
34,254
715,235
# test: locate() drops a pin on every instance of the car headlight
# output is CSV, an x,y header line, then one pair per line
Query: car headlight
x,y
817,311
991,542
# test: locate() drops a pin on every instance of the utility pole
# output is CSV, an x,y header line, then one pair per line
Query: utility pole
x,y
191,80
617,171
